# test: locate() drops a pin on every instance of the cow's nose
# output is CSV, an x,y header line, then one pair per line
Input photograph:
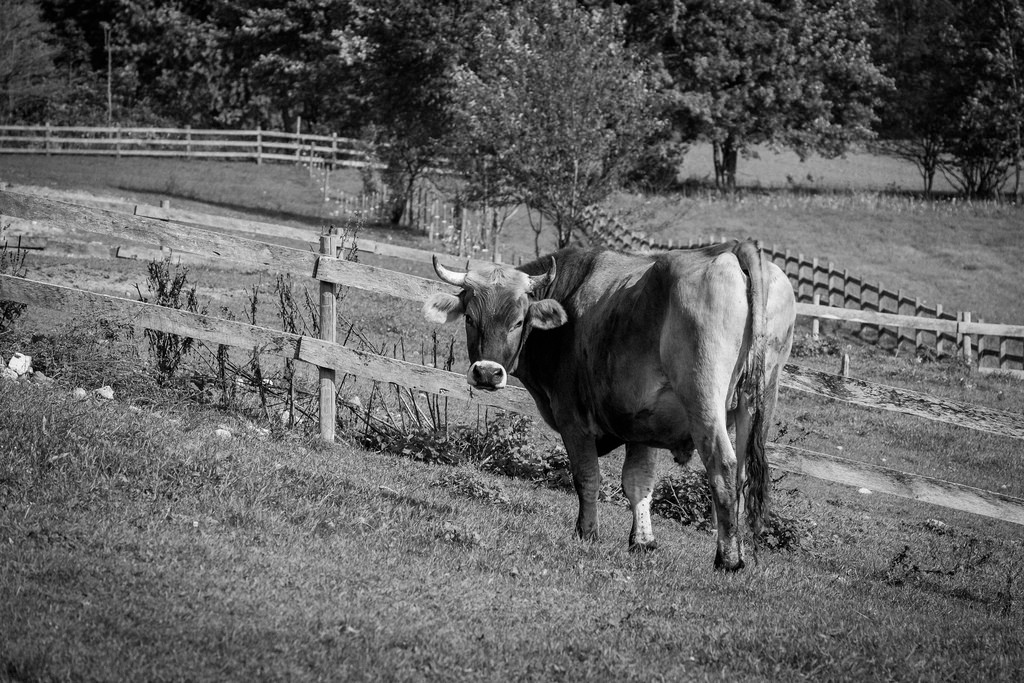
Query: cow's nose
x,y
487,374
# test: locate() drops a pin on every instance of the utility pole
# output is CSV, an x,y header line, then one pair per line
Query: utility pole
x,y
110,64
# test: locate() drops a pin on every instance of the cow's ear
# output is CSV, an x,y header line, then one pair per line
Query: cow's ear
x,y
547,314
443,308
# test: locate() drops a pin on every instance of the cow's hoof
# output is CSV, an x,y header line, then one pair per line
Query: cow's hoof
x,y
722,565
643,547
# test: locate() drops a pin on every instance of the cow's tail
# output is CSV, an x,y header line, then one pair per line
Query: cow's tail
x,y
758,476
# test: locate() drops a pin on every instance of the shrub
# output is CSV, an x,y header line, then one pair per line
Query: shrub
x,y
806,346
502,447
171,287
684,497
12,262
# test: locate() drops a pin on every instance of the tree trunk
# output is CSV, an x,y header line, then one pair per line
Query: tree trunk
x,y
726,154
729,157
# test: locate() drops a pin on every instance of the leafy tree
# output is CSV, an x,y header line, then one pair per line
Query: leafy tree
x,y
985,42
551,110
914,115
411,49
300,59
789,73
171,64
26,59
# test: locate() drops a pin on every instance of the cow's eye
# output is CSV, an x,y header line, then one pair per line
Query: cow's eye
x,y
516,325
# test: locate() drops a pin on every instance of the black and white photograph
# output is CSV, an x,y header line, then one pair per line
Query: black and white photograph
x,y
511,340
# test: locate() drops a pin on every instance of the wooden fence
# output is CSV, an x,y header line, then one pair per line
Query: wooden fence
x,y
328,269
253,145
902,321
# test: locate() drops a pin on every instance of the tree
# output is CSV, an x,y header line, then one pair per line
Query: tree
x,y
551,110
915,115
412,48
786,73
26,59
985,42
300,59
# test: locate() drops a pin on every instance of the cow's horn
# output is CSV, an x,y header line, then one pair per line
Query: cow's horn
x,y
539,281
449,276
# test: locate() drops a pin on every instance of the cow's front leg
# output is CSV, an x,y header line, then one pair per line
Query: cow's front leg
x,y
586,478
638,485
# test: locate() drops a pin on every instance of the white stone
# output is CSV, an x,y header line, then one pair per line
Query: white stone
x,y
20,363
222,433
865,491
352,401
106,392
79,394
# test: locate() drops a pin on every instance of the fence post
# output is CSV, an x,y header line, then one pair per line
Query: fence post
x,y
259,145
328,333
298,139
815,323
965,339
188,140
117,139
918,334
939,341
47,137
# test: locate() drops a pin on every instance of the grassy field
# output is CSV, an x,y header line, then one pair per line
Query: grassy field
x,y
856,212
136,543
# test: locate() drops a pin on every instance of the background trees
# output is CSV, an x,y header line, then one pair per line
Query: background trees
x,y
26,60
959,74
796,74
939,81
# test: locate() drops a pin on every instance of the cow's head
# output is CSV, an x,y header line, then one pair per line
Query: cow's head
x,y
501,308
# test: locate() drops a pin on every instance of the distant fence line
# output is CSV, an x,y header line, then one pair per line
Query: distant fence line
x,y
328,269
256,145
995,348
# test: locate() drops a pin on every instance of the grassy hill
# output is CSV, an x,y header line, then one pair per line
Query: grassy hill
x,y
173,534
138,543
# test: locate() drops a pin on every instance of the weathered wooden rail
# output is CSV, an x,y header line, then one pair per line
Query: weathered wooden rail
x,y
327,268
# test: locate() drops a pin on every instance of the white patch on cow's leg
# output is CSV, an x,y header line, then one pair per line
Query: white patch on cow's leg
x,y
638,475
586,478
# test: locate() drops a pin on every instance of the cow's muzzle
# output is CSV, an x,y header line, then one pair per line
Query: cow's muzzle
x,y
486,374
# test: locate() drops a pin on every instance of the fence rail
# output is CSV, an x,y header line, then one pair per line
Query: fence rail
x,y
330,269
255,145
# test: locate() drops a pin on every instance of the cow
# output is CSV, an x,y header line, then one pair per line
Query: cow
x,y
655,351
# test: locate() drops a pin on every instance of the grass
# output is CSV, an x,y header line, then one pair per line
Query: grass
x,y
161,551
135,543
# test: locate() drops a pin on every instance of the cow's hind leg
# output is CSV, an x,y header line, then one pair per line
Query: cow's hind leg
x,y
723,476
638,485
586,479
